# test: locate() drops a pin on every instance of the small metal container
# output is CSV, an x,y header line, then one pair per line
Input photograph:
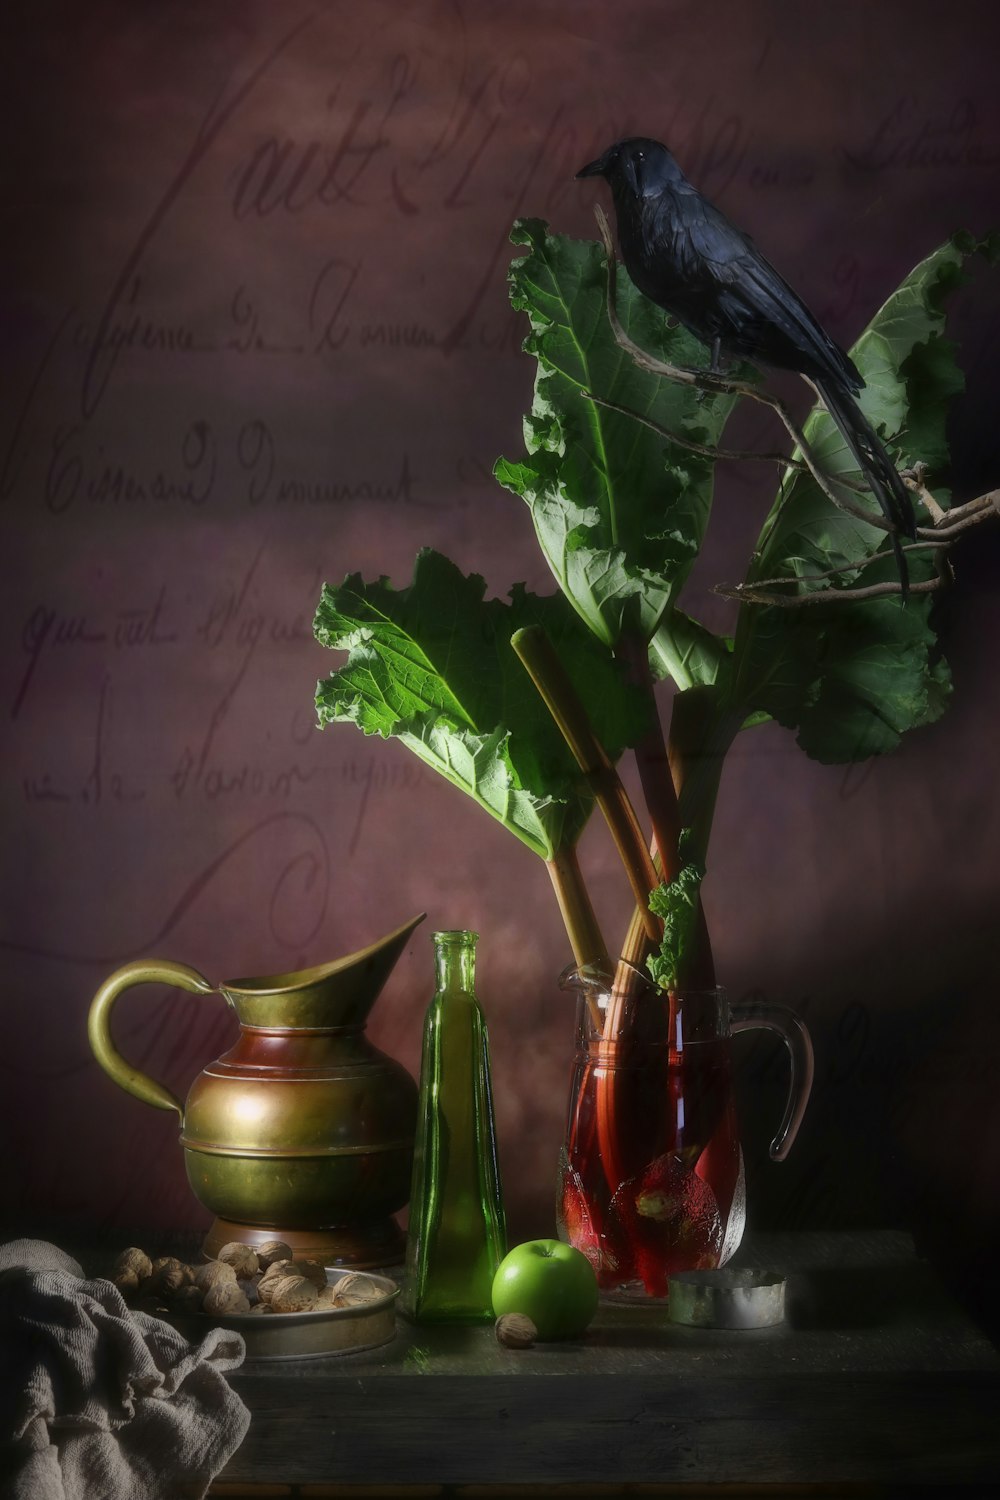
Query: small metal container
x,y
332,1330
727,1299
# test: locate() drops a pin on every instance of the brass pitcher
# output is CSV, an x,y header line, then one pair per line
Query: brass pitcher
x,y
303,1131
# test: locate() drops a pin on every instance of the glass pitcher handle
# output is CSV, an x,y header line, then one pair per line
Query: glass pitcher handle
x,y
796,1037
143,971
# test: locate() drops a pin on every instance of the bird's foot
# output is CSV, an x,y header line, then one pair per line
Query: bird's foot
x,y
711,382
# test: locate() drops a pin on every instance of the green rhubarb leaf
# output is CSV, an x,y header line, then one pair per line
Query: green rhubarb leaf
x,y
431,665
619,511
851,678
689,652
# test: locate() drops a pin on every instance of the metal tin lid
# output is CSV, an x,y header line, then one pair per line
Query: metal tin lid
x,y
727,1299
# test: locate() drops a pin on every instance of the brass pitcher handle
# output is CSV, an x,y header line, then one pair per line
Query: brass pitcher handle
x,y
795,1035
142,971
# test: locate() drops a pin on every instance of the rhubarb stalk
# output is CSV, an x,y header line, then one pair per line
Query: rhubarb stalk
x,y
549,676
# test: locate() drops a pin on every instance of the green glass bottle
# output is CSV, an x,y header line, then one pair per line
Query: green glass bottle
x,y
457,1236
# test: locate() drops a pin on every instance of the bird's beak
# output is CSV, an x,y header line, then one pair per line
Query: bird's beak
x,y
593,168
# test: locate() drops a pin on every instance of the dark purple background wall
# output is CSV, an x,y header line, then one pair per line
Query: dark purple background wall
x,y
256,335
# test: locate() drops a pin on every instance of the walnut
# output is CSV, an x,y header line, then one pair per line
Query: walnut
x,y
293,1294
259,1308
270,1278
271,1251
168,1275
131,1271
133,1262
248,1286
354,1289
312,1271
212,1271
240,1257
224,1298
325,1298
515,1331
188,1299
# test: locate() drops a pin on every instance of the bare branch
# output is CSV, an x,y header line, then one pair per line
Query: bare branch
x,y
914,480
960,517
748,593
938,538
706,449
852,567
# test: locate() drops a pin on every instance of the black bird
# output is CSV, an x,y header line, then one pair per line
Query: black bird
x,y
685,255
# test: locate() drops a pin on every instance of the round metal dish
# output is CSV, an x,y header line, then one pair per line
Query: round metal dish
x,y
726,1299
333,1330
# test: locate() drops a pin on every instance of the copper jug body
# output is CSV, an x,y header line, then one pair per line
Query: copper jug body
x,y
303,1131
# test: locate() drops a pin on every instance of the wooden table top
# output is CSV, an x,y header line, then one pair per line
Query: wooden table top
x,y
876,1376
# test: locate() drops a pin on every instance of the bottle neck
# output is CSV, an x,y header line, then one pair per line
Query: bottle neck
x,y
455,960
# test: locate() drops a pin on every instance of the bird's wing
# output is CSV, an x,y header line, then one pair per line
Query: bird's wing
x,y
751,290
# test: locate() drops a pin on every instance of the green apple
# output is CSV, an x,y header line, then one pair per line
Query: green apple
x,y
551,1283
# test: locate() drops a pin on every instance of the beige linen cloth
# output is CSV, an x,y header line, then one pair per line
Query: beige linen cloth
x,y
100,1403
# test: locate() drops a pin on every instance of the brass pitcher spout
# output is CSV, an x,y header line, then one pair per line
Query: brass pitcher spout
x,y
337,994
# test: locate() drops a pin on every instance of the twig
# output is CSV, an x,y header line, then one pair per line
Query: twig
x,y
737,590
914,480
940,536
957,517
961,517
748,593
988,501
706,450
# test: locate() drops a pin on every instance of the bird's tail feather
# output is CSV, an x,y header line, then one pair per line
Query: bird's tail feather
x,y
879,471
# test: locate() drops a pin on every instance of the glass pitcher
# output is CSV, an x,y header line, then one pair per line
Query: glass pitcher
x,y
651,1174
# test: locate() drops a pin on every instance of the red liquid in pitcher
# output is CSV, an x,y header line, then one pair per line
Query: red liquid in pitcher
x,y
669,1133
